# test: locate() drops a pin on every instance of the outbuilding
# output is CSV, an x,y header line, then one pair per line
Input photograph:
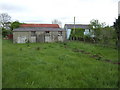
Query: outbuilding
x,y
86,27
38,33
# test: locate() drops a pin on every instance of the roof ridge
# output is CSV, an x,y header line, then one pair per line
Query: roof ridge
x,y
77,24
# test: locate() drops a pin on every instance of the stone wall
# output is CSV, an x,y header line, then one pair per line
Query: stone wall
x,y
40,36
21,35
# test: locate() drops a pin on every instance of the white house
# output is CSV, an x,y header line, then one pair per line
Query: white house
x,y
87,28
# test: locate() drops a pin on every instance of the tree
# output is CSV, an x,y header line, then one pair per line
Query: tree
x,y
95,23
103,34
103,24
107,35
97,27
55,21
117,28
6,32
15,24
5,20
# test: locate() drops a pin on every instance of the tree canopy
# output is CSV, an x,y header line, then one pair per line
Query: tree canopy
x,y
7,25
5,20
117,28
15,24
55,21
96,24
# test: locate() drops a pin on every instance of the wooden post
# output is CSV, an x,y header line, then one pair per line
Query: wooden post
x,y
74,25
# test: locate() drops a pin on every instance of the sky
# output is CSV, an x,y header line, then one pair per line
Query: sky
x,y
45,11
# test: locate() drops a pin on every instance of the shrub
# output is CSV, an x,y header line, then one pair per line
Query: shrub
x,y
79,32
6,32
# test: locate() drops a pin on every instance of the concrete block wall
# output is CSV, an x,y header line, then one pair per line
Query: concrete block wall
x,y
40,36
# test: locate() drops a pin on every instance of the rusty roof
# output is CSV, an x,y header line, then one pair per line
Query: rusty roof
x,y
41,25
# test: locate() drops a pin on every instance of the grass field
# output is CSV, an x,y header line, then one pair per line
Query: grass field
x,y
58,65
0,62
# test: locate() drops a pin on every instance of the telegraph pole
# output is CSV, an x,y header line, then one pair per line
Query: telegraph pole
x,y
74,25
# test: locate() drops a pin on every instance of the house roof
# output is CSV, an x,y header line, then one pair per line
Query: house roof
x,y
40,25
37,29
70,26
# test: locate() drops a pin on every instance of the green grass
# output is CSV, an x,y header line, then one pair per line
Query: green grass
x,y
55,65
0,62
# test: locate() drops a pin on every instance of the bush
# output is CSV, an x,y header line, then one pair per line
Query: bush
x,y
78,33
6,32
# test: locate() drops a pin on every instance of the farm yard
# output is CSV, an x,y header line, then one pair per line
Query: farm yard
x,y
59,65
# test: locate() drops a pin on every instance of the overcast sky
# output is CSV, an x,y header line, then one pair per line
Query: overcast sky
x,y
44,11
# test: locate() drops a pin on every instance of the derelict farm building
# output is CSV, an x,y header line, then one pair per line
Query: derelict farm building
x,y
38,33
86,27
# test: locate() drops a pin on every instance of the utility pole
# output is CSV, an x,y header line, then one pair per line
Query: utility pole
x,y
74,25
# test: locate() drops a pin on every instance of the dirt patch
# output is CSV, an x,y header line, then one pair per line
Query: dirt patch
x,y
87,53
107,60
110,61
96,56
117,63
78,50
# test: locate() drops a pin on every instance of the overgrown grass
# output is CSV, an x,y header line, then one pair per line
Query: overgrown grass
x,y
55,65
0,62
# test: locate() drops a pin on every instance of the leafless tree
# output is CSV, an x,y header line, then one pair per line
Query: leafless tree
x,y
4,20
55,21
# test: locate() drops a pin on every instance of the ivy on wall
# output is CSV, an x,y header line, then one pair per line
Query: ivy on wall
x,y
79,32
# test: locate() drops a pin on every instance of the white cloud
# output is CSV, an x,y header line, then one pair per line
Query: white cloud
x,y
44,11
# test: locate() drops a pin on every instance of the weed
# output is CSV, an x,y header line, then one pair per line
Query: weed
x,y
38,48
63,57
57,67
21,49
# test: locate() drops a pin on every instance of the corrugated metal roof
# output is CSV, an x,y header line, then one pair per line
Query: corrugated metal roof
x,y
40,25
70,26
37,29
